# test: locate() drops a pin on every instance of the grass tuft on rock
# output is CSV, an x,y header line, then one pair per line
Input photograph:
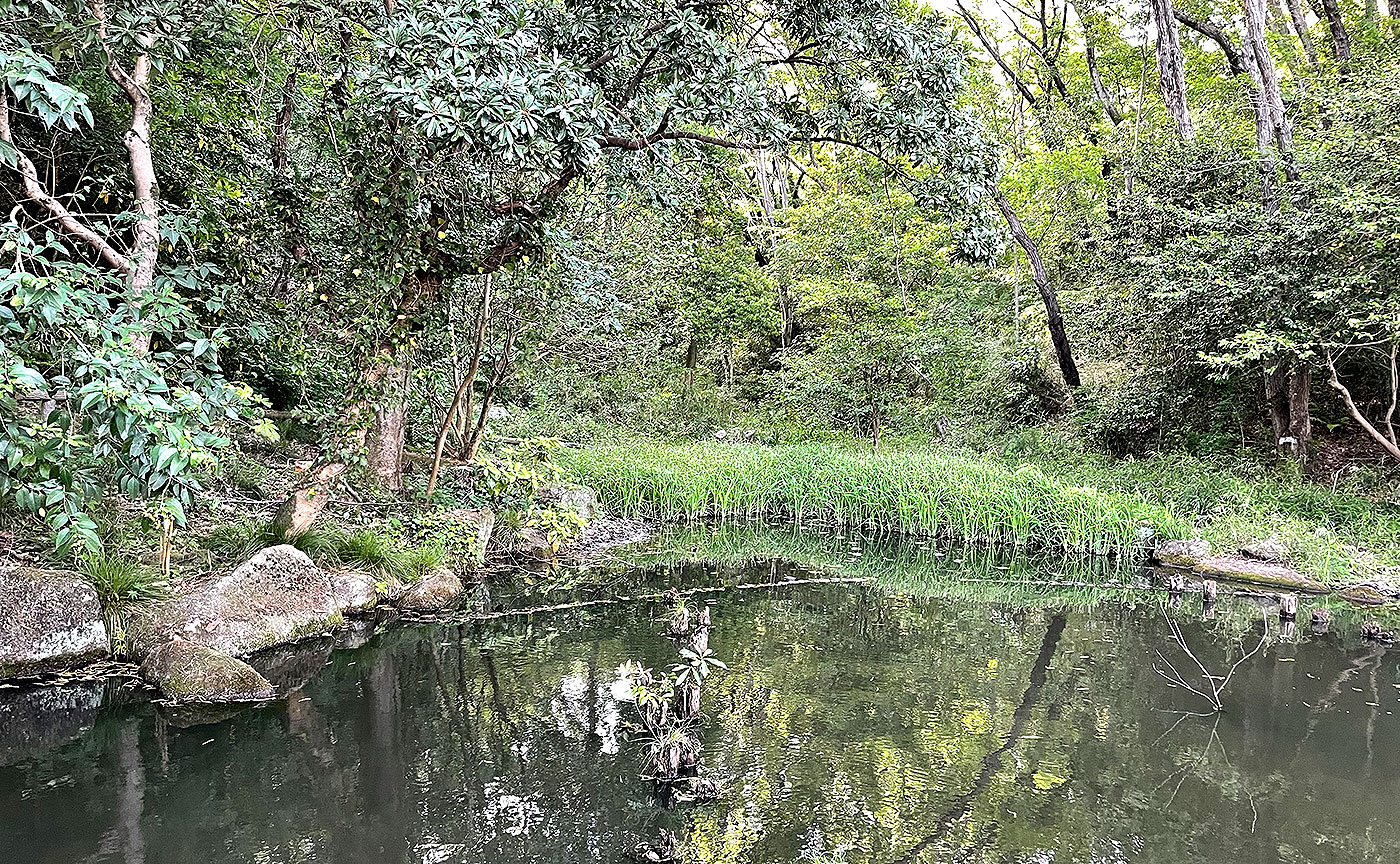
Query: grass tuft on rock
x,y
122,583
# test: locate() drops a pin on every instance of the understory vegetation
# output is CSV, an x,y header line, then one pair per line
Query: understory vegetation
x,y
1079,276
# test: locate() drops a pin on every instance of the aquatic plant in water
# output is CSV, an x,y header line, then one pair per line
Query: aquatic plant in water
x,y
923,493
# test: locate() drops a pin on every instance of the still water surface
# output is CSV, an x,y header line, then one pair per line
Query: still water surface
x,y
860,723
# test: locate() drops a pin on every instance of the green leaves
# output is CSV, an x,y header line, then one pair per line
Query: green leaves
x,y
141,424
30,77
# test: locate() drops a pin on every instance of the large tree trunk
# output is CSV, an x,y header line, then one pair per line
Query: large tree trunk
x,y
1053,320
1171,67
392,374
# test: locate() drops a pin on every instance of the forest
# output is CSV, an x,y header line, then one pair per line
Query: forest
x,y
387,237
694,430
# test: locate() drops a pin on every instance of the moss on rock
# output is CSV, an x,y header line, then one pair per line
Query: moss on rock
x,y
1241,569
190,672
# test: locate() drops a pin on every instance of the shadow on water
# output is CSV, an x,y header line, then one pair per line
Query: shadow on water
x,y
961,706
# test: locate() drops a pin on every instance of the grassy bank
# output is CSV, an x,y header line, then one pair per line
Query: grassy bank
x,y
925,493
1047,500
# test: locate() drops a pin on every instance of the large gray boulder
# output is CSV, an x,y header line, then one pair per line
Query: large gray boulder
x,y
190,672
49,620
570,496
278,596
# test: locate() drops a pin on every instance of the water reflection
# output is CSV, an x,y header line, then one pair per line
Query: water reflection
x,y
853,724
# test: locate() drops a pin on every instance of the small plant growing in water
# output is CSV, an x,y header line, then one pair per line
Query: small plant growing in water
x,y
695,666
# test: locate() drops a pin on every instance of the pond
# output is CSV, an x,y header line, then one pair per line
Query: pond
x,y
996,718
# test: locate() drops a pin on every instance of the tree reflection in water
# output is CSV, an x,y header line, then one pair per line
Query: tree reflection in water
x,y
855,723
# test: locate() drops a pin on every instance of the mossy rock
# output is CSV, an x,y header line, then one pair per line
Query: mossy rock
x,y
1239,569
190,672
1182,553
1364,594
439,589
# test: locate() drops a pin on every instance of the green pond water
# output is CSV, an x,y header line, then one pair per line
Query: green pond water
x,y
957,708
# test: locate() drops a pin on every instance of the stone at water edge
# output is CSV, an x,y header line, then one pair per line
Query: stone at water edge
x,y
279,595
190,672
1366,594
1266,550
358,591
569,496
1182,553
50,620
438,589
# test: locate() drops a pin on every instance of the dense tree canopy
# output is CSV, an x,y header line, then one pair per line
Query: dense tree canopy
x,y
389,217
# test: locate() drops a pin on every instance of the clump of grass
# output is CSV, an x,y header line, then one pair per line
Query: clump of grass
x,y
422,560
237,542
376,553
933,493
122,583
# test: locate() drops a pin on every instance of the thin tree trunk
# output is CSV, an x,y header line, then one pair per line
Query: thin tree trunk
x,y
1053,319
498,374
1341,40
1171,67
1091,60
1212,31
482,317
1300,26
145,247
1389,444
1269,106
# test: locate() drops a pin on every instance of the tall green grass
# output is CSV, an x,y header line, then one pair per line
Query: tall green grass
x,y
932,493
122,583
